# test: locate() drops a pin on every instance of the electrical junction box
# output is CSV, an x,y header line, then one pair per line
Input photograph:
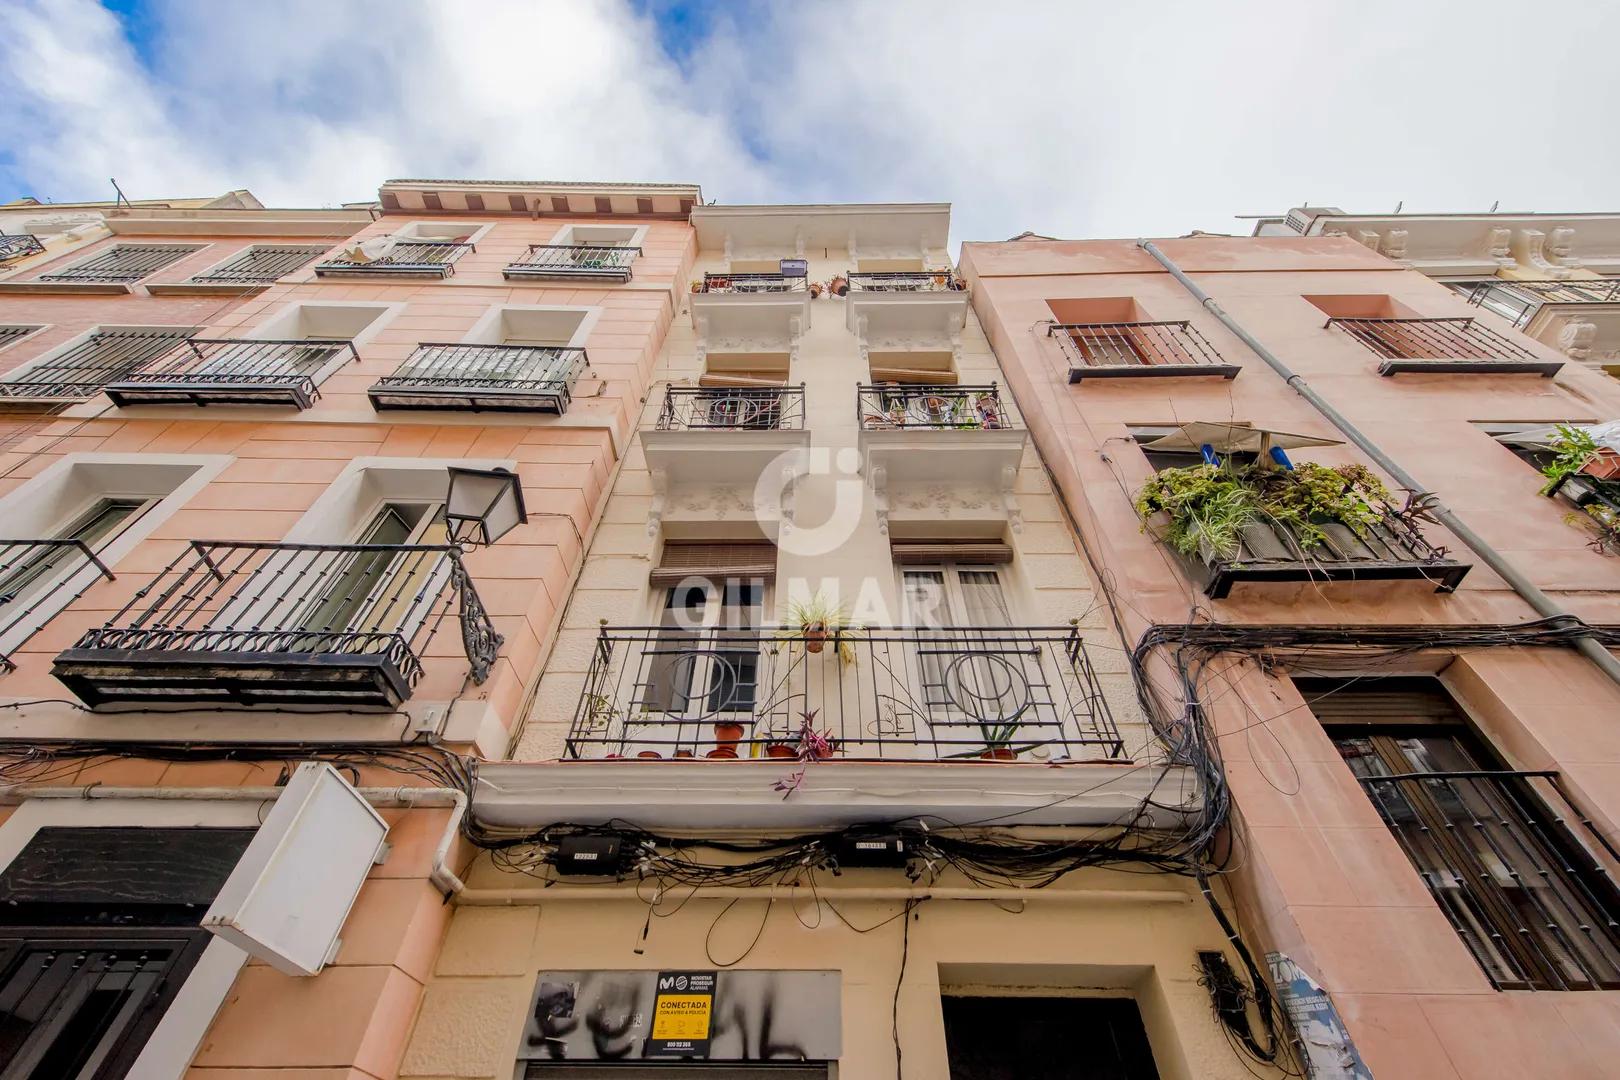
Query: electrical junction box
x,y
589,856
883,849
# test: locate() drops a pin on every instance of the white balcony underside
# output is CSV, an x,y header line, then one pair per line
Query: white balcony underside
x,y
739,794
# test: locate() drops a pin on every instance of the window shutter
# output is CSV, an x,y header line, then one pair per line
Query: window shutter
x,y
715,560
916,552
1379,701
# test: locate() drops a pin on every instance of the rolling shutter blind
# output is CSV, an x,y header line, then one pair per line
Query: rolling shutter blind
x,y
1383,701
715,560
913,552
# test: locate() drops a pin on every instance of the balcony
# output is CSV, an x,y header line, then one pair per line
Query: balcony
x,y
732,409
905,281
19,246
574,262
1579,317
84,369
227,371
922,436
753,284
318,625
1138,350
110,271
1233,523
1437,346
431,259
248,273
935,694
40,576
483,378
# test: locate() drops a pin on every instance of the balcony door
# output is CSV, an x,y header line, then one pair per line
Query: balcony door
x,y
973,680
704,659
360,594
27,572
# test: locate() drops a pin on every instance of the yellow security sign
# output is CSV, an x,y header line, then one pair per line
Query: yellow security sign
x,y
685,1017
683,1008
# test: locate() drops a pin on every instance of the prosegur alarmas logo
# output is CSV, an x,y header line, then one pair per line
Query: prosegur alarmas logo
x,y
825,482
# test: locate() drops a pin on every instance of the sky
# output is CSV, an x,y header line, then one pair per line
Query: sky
x,y
1072,119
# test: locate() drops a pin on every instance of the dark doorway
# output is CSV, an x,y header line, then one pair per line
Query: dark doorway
x,y
1028,1038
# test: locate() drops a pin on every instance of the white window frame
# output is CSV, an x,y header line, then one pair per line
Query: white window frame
x,y
488,329
438,230
292,314
570,236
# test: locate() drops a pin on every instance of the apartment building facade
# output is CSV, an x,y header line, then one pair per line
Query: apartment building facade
x,y
294,499
1416,751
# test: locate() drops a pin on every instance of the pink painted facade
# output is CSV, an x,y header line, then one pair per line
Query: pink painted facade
x,y
1319,874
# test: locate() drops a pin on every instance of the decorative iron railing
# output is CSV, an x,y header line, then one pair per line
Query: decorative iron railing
x,y
18,246
900,693
258,265
33,573
1138,348
474,376
906,406
202,364
122,264
225,612
88,367
754,283
905,281
1441,344
701,408
574,261
408,258
1518,301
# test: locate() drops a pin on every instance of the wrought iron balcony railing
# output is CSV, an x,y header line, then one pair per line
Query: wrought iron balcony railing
x,y
258,265
84,370
900,693
1393,548
35,573
906,281
1443,345
701,408
326,625
754,283
120,265
501,378
408,258
1132,349
18,246
232,371
898,406
1519,301
575,261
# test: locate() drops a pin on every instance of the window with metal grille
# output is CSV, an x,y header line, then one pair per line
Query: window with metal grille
x,y
10,335
258,264
82,370
1536,909
123,263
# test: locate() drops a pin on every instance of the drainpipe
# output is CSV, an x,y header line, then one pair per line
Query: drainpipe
x,y
1527,590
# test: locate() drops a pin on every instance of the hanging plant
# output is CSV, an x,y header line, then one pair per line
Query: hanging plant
x,y
1576,452
1209,506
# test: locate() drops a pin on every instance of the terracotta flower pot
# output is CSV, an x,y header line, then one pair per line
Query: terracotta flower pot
x,y
1604,465
816,289
727,752
815,636
649,754
839,286
781,750
1000,753
684,754
726,737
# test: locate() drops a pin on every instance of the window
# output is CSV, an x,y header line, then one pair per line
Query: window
x,y
81,368
1059,1038
10,334
1516,885
706,655
30,570
122,263
259,263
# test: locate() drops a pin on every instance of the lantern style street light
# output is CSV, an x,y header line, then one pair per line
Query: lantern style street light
x,y
483,505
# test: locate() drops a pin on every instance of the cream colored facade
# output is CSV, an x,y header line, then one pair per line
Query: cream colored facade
x,y
1096,933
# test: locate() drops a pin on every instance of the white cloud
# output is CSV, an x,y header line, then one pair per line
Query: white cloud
x,y
1071,119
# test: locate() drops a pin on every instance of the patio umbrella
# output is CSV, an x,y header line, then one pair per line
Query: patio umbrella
x,y
1234,437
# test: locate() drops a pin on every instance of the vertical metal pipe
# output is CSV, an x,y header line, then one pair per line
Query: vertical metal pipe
x,y
1527,589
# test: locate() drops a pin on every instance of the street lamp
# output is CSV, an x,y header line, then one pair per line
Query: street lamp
x,y
483,505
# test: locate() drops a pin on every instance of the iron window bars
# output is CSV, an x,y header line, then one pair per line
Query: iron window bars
x,y
259,264
902,693
909,281
695,408
1133,349
121,264
231,371
10,335
568,261
408,258
273,623
27,563
1536,912
1519,301
905,406
754,283
82,371
509,378
19,246
1443,345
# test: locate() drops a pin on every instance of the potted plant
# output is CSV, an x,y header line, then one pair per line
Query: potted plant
x,y
1603,465
697,285
814,621
839,285
808,745
727,734
1573,448
816,289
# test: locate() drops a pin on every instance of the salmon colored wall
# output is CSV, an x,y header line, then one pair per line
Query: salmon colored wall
x,y
1320,877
